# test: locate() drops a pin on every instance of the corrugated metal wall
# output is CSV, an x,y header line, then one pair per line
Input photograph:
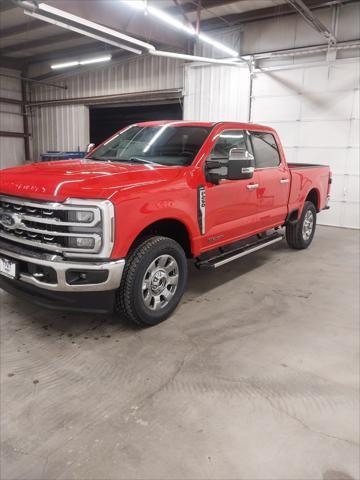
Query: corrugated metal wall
x,y
67,127
12,151
217,93
64,128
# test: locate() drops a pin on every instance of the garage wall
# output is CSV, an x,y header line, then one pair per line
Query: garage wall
x,y
315,109
216,93
12,150
66,127
312,102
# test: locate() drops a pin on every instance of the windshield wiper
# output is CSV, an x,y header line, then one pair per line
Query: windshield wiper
x,y
128,160
142,160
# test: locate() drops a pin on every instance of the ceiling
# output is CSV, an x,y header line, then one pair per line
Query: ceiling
x,y
25,41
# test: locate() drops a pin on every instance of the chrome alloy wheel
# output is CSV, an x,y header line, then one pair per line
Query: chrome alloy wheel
x,y
160,282
308,225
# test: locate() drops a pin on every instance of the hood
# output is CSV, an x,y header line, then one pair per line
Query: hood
x,y
83,178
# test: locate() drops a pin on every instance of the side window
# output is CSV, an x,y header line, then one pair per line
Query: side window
x,y
265,150
226,141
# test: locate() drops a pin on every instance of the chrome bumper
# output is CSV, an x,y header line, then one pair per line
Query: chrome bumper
x,y
114,268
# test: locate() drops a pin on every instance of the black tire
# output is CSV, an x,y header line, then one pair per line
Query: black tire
x,y
295,235
130,300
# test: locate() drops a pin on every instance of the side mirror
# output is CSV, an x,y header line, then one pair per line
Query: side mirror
x,y
90,147
241,164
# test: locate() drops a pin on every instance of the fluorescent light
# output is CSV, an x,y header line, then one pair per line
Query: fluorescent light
x,y
218,45
95,60
164,17
138,4
64,65
170,20
106,58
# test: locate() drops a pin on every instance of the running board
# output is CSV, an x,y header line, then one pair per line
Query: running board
x,y
223,258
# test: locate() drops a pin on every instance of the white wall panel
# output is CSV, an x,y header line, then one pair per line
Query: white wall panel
x,y
328,105
216,93
63,128
315,109
271,109
12,150
11,119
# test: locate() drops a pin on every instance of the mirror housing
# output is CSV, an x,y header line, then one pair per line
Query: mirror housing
x,y
241,164
90,147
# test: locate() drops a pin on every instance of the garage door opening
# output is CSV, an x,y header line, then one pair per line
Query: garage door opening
x,y
104,121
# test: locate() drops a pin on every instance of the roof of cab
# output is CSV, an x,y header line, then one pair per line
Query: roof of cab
x,y
190,123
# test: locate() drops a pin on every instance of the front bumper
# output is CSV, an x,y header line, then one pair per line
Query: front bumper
x,y
90,302
50,281
63,273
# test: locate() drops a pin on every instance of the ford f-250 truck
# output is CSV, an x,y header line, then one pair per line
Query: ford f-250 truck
x,y
114,231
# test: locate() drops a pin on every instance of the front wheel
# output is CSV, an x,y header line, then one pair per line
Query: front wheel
x,y
299,235
153,282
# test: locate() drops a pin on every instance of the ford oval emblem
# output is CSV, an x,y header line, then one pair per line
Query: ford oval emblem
x,y
7,220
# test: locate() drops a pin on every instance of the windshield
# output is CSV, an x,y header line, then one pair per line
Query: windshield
x,y
163,145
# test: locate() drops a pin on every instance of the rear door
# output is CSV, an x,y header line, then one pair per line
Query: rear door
x,y
273,178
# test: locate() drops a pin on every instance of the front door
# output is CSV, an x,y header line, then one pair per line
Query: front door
x,y
231,206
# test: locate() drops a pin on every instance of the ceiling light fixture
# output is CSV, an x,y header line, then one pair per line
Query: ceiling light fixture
x,y
170,20
89,61
64,65
106,58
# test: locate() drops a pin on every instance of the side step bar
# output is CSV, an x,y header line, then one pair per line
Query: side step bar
x,y
223,258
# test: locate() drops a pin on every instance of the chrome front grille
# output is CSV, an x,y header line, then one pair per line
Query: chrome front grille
x,y
54,227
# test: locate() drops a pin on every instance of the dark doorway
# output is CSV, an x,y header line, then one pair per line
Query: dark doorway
x,y
104,121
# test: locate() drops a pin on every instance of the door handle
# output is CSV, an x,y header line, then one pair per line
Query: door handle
x,y
284,180
252,186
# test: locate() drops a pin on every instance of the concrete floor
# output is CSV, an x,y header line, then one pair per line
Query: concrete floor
x,y
254,377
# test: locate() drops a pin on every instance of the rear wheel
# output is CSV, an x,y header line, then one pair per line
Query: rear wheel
x,y
153,282
299,235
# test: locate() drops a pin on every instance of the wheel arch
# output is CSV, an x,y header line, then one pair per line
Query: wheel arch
x,y
314,197
167,227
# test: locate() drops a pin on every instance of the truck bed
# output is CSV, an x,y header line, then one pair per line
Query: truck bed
x,y
306,177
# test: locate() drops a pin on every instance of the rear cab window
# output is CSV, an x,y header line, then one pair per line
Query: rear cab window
x,y
265,150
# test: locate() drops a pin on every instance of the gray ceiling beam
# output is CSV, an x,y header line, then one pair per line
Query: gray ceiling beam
x,y
312,19
12,63
28,26
64,53
6,5
191,6
265,13
41,42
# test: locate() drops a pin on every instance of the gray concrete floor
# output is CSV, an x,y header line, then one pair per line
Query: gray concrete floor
x,y
254,377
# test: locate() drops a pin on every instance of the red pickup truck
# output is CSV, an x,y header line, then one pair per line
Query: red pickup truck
x,y
113,231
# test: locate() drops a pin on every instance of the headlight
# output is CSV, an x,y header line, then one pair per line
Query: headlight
x,y
81,216
81,242
90,227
